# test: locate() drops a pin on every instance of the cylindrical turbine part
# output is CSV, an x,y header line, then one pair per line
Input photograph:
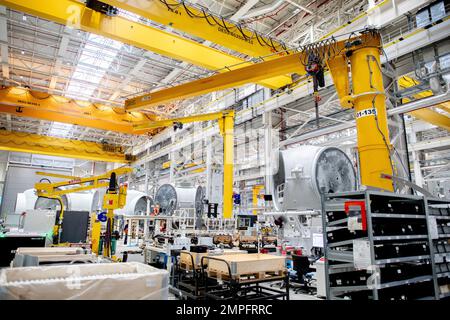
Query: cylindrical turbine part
x,y
307,171
170,198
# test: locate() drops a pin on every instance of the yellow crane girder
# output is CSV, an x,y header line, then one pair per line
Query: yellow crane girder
x,y
190,19
235,78
143,126
426,114
32,104
60,147
77,15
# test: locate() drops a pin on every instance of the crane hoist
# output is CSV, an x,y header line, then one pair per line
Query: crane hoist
x,y
114,198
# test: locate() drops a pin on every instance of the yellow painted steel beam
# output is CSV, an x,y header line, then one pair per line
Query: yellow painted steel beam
x,y
433,117
77,15
191,20
235,78
445,106
426,114
169,122
56,175
249,74
33,143
32,104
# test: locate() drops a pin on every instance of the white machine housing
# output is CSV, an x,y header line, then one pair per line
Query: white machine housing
x,y
305,172
171,198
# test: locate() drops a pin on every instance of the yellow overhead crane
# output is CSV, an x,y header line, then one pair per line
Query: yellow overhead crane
x,y
225,120
78,15
356,58
199,22
61,147
22,102
114,198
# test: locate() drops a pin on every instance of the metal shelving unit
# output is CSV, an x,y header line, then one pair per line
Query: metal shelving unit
x,y
438,212
394,238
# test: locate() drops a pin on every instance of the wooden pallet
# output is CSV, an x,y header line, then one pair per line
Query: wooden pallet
x,y
248,277
186,260
242,264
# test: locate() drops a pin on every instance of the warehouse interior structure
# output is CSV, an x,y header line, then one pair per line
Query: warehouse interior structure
x,y
225,149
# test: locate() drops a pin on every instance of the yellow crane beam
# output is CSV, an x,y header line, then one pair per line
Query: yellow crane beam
x,y
433,117
60,147
444,106
189,19
235,78
138,128
249,74
32,104
77,15
426,114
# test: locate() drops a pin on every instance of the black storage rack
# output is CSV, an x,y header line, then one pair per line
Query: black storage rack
x,y
398,260
439,226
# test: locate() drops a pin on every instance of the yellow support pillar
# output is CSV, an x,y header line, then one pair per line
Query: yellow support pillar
x,y
95,234
226,124
255,193
371,119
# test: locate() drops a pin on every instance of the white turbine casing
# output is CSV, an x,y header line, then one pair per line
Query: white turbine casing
x,y
97,200
171,198
79,201
305,171
136,203
25,201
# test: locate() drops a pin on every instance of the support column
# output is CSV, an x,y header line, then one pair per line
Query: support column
x,y
268,166
371,119
227,131
415,157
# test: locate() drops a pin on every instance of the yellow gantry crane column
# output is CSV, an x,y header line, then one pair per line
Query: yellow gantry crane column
x,y
225,120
